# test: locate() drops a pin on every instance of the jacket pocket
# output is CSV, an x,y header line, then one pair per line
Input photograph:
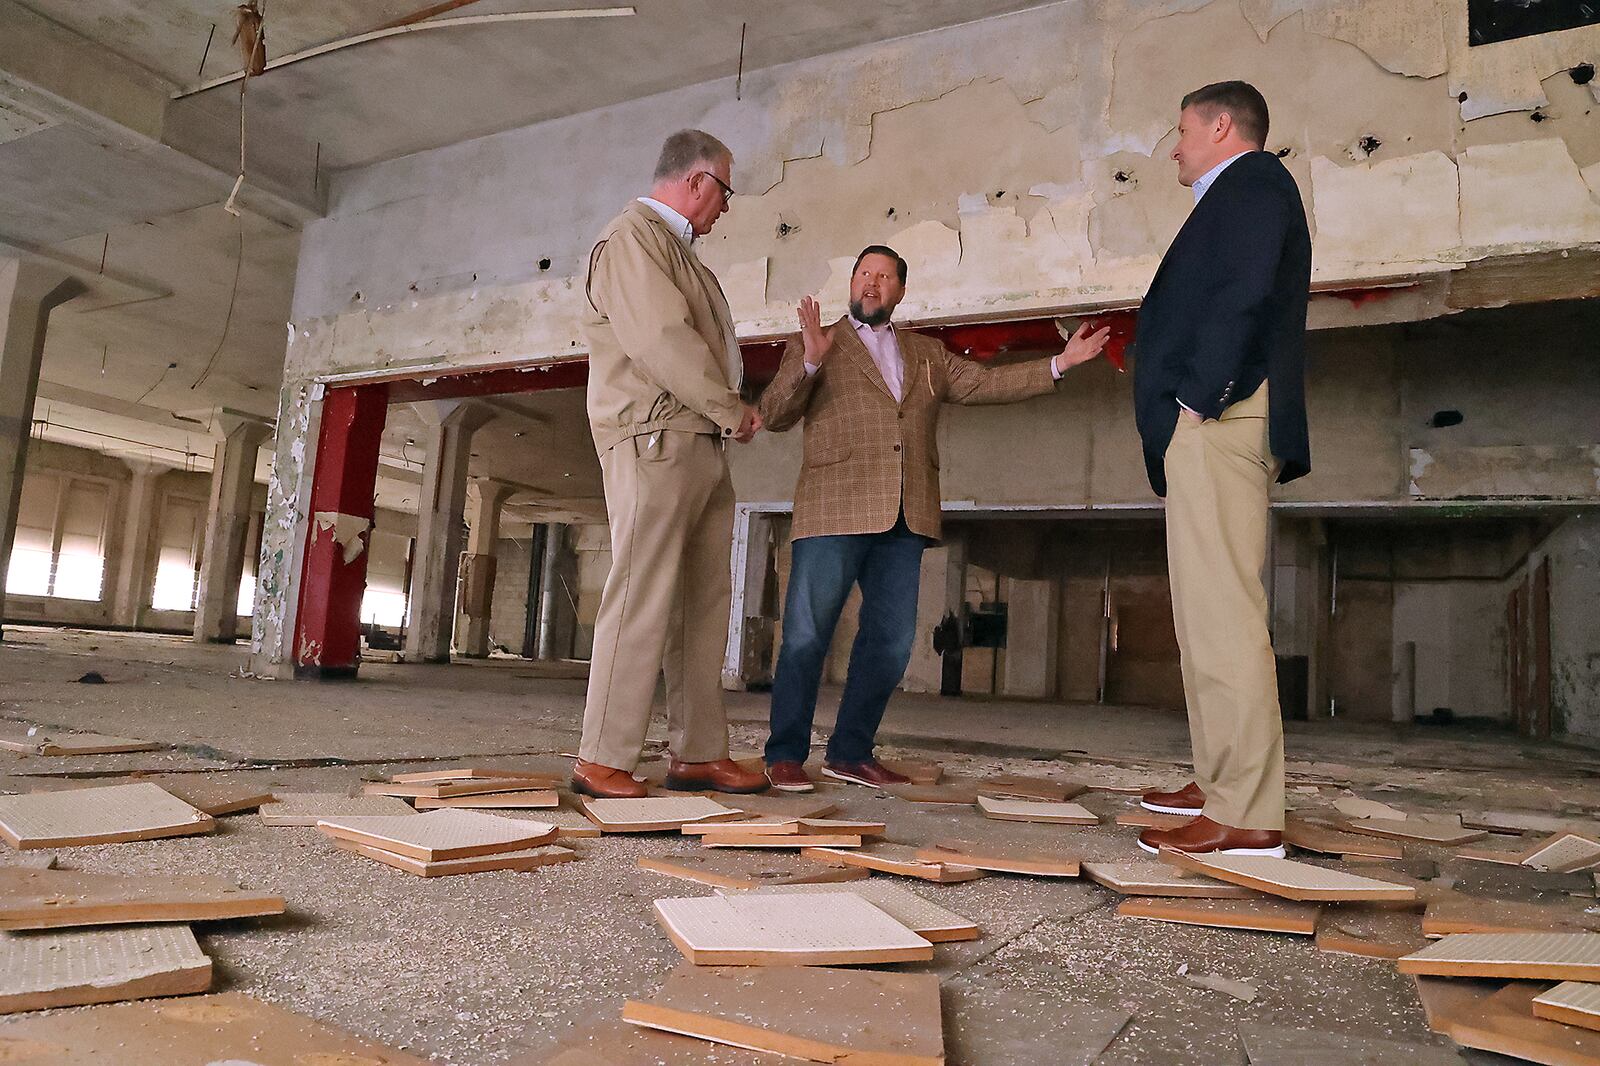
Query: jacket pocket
x,y
828,456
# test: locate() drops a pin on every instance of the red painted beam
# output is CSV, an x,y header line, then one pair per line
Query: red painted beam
x,y
327,628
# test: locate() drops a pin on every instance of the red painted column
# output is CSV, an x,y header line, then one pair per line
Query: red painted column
x,y
327,628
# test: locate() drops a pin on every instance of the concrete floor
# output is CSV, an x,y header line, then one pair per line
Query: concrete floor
x,y
484,968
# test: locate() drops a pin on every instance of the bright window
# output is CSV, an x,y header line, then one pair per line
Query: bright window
x,y
60,542
178,564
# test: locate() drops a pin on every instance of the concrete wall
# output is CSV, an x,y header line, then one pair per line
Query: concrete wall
x,y
1018,162
1573,551
509,613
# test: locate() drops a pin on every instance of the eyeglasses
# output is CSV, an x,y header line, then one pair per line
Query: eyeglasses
x,y
727,190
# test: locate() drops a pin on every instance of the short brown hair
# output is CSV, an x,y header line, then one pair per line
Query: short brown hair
x,y
1241,100
684,150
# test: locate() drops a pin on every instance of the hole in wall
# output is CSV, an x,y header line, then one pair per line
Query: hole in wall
x,y
1369,144
1446,418
544,264
1582,74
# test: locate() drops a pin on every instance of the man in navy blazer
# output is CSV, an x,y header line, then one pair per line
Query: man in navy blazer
x,y
1219,397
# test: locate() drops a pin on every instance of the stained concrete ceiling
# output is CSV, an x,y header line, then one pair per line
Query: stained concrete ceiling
x,y
126,189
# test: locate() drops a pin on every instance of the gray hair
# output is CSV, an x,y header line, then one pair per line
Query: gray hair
x,y
686,149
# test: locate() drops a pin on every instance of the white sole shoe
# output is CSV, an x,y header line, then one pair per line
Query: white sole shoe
x,y
1193,812
807,787
837,776
1270,853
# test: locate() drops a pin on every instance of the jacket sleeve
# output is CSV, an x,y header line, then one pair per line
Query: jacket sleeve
x,y
1245,260
784,402
974,383
651,319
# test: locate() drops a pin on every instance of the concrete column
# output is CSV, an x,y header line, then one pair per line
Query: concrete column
x,y
486,497
1033,615
133,567
1298,594
553,569
439,519
28,293
233,480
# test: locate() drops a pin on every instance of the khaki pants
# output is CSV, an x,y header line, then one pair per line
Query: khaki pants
x,y
1219,475
666,600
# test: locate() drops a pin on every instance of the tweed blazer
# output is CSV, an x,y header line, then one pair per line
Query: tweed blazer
x,y
867,456
662,350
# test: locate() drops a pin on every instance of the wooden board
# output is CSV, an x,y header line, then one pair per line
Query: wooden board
x,y
43,743
516,861
1308,836
1570,1003
215,794
804,1012
914,793
1563,853
758,929
1001,858
1526,822
440,835
533,800
1266,915
786,827
1501,1020
1525,956
75,967
56,899
1022,786
921,773
616,1043
461,786
923,917
1019,810
306,809
1373,933
1415,829
1502,855
655,814
771,841
1289,879
459,773
742,870
892,859
1467,914
570,825
1143,819
197,1031
1151,877
777,805
109,815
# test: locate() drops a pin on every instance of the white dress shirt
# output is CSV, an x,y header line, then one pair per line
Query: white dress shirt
x,y
883,345
675,220
1205,181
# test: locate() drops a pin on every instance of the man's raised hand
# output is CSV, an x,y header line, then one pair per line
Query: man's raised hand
x,y
1082,347
816,339
749,426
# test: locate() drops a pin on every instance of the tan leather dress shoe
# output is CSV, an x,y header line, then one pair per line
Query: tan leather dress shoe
x,y
1187,800
723,775
1205,837
606,782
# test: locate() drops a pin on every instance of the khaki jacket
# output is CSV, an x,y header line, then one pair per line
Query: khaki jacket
x,y
660,336
865,455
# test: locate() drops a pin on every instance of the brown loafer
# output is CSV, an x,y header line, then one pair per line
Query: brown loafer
x,y
1187,800
871,773
1205,837
606,782
789,777
723,775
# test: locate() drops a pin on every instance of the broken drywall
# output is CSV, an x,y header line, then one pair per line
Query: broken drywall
x,y
1525,197
1507,76
1406,38
348,532
1506,472
1392,211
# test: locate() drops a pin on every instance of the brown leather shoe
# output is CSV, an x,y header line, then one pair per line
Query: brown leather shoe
x,y
871,773
1187,800
723,775
1205,837
606,782
789,777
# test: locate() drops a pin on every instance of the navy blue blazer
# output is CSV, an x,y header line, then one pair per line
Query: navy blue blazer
x,y
1227,311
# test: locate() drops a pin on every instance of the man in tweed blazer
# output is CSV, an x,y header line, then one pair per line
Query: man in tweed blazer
x,y
867,502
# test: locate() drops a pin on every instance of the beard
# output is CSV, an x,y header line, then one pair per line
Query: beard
x,y
876,318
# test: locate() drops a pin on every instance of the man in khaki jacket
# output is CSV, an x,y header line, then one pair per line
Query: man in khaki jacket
x,y
867,502
664,377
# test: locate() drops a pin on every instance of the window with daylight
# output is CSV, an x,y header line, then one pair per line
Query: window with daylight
x,y
178,565
384,602
60,543
1491,21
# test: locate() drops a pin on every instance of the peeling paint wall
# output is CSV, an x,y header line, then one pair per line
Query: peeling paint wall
x,y
1020,164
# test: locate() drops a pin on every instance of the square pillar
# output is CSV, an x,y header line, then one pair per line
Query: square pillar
x,y
485,497
28,293
440,513
233,479
333,574
133,565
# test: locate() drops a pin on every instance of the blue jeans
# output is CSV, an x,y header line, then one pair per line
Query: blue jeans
x,y
888,566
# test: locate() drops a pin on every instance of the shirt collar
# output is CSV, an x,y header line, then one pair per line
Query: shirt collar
x,y
1204,181
678,224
